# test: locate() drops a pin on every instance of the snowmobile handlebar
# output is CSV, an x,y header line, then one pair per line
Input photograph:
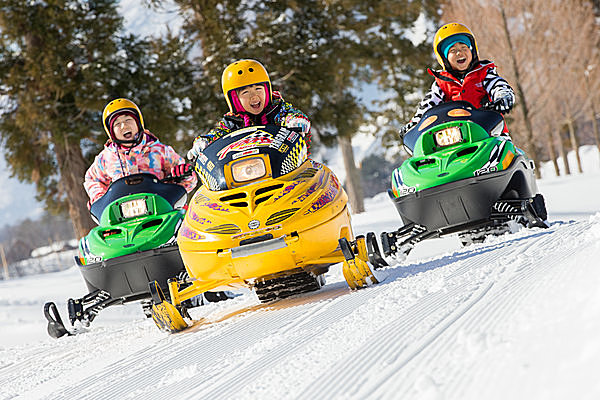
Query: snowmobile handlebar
x,y
492,106
178,179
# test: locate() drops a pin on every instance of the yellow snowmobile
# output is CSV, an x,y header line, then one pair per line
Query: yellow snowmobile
x,y
266,217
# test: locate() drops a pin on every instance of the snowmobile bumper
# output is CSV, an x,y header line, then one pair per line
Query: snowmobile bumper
x,y
466,202
127,276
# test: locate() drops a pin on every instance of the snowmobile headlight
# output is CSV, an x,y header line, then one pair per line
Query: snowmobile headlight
x,y
134,208
248,170
448,136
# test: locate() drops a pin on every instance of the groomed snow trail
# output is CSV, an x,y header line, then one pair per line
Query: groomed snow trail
x,y
449,327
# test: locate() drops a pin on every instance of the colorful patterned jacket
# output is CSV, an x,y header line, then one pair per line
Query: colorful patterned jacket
x,y
279,112
115,161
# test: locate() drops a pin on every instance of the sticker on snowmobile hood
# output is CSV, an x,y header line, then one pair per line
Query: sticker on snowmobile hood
x,y
244,153
241,131
202,158
191,234
495,157
256,139
325,198
279,138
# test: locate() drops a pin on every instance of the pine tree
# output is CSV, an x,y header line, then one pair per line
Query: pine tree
x,y
61,61
301,45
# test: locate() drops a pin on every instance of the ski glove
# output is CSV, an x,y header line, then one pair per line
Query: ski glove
x,y
199,145
296,122
503,100
180,170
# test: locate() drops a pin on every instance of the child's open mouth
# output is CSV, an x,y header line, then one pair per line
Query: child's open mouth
x,y
256,105
128,135
461,60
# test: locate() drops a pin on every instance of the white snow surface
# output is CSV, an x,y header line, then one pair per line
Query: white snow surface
x,y
516,317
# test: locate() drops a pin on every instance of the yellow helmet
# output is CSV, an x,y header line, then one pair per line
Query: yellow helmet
x,y
118,107
447,31
243,73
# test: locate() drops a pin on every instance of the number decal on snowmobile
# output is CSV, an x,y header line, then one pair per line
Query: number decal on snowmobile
x,y
406,190
482,171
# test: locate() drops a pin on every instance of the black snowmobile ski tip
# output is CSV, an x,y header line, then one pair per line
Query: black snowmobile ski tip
x,y
374,253
56,328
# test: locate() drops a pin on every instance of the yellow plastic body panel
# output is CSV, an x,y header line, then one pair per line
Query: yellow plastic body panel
x,y
304,211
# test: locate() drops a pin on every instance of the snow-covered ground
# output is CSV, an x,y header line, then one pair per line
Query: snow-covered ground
x,y
517,317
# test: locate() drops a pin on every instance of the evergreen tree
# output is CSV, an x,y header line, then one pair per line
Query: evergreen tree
x,y
317,52
61,61
300,43
395,50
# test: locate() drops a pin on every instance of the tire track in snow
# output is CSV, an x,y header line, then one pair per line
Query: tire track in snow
x,y
302,335
189,353
382,346
469,336
537,275
142,372
43,364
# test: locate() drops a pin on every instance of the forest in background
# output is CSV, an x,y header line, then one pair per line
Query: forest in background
x,y
61,61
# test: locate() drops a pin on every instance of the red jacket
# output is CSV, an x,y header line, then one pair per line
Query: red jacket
x,y
470,89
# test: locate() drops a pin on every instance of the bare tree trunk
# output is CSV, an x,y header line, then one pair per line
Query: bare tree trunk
x,y
562,153
72,167
353,181
595,124
574,140
552,151
529,142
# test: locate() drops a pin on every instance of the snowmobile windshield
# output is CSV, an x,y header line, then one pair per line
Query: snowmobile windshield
x,y
134,184
250,154
448,112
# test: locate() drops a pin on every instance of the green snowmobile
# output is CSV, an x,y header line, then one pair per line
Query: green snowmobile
x,y
133,244
461,178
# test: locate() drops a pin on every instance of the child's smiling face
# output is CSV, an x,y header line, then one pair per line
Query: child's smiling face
x,y
125,128
252,98
460,56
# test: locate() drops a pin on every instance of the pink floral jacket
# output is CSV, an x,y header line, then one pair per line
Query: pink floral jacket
x,y
115,161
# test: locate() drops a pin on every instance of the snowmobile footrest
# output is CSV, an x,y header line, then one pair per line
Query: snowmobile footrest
x,y
86,308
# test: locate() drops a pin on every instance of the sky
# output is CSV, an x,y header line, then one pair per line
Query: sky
x,y
515,317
